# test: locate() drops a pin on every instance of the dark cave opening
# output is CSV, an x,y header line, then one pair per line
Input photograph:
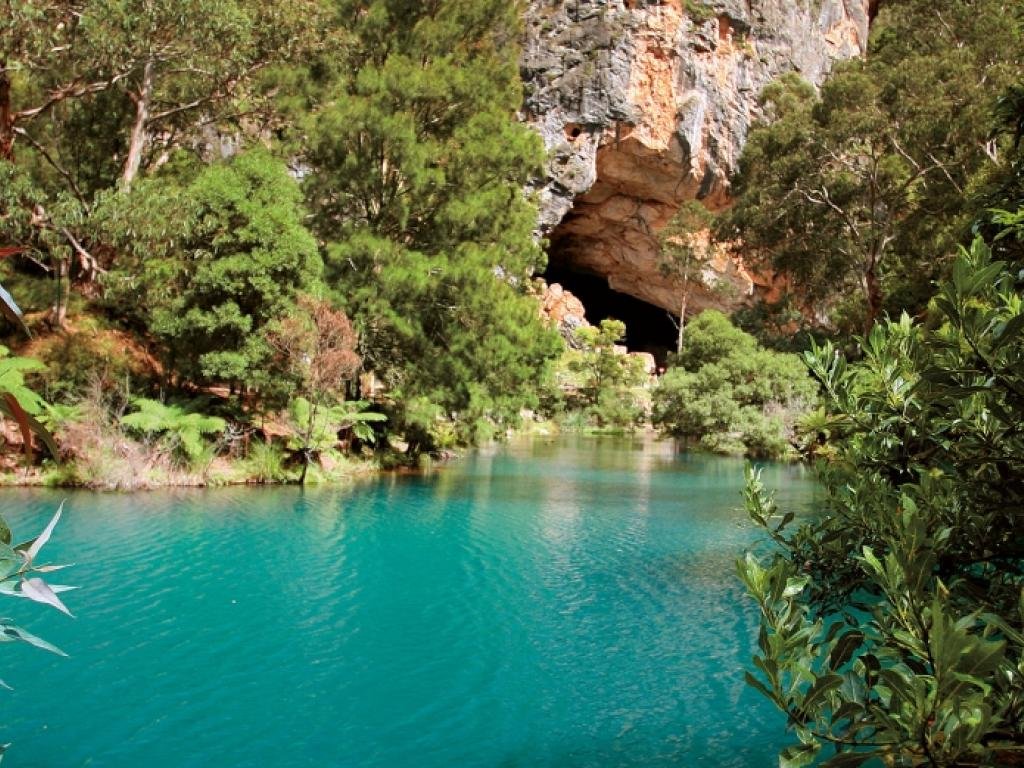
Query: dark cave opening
x,y
648,328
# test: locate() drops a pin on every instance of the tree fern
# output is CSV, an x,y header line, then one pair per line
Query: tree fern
x,y
185,429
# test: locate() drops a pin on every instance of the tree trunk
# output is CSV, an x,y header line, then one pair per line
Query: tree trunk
x,y
307,440
682,324
6,116
59,313
137,142
873,293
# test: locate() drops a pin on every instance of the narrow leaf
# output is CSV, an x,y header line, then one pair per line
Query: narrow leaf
x,y
843,650
39,591
10,309
17,633
44,537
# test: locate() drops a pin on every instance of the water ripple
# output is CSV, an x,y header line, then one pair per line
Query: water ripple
x,y
566,605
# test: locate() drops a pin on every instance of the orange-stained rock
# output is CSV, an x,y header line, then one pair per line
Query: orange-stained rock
x,y
643,108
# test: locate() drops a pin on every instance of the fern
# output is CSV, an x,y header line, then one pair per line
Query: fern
x,y
184,428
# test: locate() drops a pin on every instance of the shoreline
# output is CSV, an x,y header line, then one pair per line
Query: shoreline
x,y
225,473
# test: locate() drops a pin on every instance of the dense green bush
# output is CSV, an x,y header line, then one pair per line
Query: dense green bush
x,y
208,276
727,394
893,621
601,386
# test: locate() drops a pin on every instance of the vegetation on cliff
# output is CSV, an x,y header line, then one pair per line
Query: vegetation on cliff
x,y
857,196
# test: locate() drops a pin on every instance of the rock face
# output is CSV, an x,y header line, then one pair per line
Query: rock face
x,y
564,311
645,104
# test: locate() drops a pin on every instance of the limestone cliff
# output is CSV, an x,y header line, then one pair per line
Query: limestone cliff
x,y
644,104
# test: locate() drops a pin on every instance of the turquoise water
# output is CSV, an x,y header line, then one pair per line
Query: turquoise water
x,y
566,603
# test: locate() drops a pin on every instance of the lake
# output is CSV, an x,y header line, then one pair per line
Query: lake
x,y
567,602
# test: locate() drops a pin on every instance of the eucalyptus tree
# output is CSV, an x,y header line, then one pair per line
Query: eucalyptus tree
x,y
682,252
93,92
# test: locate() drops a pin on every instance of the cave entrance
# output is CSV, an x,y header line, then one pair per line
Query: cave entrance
x,y
648,328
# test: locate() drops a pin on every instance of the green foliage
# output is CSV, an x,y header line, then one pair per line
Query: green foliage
x,y
857,194
698,12
892,620
600,380
12,380
183,430
249,256
93,95
318,429
418,171
728,394
266,463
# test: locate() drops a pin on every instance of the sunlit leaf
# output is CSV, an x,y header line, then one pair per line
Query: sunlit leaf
x,y
38,590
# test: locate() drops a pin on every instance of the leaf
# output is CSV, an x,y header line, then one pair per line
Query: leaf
x,y
34,424
10,309
51,568
5,532
821,688
1009,331
843,650
11,632
798,756
38,590
795,585
40,541
756,684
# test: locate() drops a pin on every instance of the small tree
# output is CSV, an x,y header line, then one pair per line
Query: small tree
x,y
604,376
727,394
316,348
234,261
683,248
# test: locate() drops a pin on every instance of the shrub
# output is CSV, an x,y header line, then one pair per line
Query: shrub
x,y
600,381
892,627
266,463
727,394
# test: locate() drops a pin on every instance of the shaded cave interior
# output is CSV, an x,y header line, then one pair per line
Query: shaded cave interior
x,y
648,328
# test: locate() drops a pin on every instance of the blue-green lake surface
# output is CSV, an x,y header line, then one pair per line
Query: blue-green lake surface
x,y
561,603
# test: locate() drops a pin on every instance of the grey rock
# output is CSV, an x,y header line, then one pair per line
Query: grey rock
x,y
603,79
